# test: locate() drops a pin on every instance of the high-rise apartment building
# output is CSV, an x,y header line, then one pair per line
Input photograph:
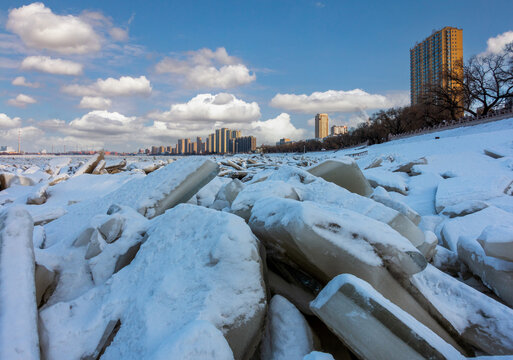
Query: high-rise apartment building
x,y
222,137
321,126
338,130
430,59
245,144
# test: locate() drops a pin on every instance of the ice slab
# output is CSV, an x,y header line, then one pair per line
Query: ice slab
x,y
389,180
18,310
382,196
373,327
150,195
287,334
327,242
472,225
495,273
478,319
345,173
459,189
187,270
90,165
497,241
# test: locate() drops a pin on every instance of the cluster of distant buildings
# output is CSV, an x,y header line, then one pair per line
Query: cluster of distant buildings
x,y
222,141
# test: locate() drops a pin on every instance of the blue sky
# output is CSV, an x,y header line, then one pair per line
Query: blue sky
x,y
125,74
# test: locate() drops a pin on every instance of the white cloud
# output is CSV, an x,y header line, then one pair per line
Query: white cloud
x,y
272,130
496,45
205,68
103,123
31,136
8,123
21,81
124,86
95,102
52,66
39,28
222,107
21,100
336,101
118,34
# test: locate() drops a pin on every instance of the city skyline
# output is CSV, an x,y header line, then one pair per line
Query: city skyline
x,y
124,77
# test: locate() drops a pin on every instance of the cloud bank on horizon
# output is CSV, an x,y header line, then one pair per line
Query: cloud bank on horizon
x,y
79,61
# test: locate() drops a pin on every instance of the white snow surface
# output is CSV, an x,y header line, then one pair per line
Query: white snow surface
x,y
187,270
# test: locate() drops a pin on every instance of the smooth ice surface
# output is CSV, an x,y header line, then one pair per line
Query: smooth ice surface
x,y
287,334
187,270
317,355
345,173
356,312
18,309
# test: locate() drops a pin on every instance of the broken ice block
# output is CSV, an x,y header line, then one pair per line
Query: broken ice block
x,y
382,196
478,319
497,241
373,327
345,173
90,165
8,179
389,180
227,194
287,334
18,309
495,273
150,195
38,197
197,264
96,244
99,167
44,279
454,191
326,242
112,228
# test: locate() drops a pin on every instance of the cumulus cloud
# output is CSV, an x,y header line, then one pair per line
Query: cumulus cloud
x,y
496,45
39,28
8,123
272,130
124,86
205,68
336,101
21,100
103,123
21,81
95,102
51,66
222,107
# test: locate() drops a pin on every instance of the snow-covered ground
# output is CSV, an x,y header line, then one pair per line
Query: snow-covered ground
x,y
422,228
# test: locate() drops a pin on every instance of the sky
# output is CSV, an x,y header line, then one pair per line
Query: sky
x,y
122,75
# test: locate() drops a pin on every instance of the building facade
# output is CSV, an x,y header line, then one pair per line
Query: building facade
x,y
338,130
321,126
245,144
432,58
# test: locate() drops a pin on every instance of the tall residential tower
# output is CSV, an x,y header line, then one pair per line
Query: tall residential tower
x,y
431,58
321,126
